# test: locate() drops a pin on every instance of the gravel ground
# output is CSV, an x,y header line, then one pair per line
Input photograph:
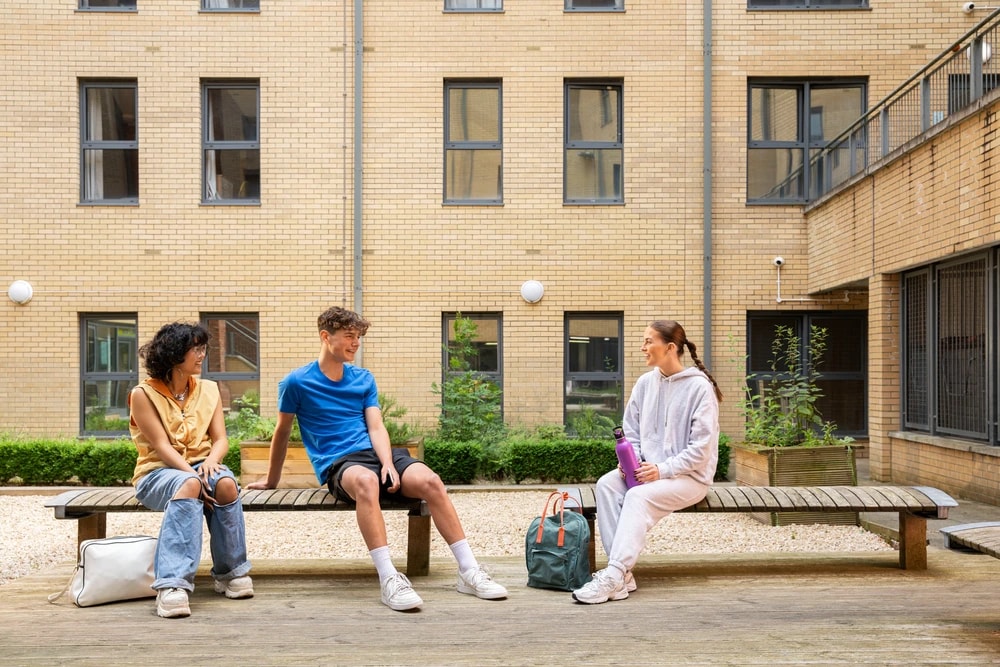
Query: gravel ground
x,y
495,522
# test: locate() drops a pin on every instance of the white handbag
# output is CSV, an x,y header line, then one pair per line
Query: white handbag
x,y
112,569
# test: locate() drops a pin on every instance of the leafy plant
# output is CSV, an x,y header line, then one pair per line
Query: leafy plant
x,y
722,468
248,425
392,413
470,402
782,412
588,423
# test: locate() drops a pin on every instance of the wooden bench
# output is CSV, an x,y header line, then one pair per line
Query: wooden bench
x,y
90,507
915,504
983,537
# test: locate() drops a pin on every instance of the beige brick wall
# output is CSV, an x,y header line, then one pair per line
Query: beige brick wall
x,y
171,257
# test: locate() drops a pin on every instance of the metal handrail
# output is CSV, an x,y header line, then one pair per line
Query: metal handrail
x,y
949,83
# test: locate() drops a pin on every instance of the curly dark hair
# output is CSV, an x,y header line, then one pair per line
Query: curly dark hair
x,y
336,318
169,346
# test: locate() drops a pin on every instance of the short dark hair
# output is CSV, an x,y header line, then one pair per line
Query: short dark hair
x,y
336,318
169,346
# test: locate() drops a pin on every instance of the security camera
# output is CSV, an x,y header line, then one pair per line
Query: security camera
x,y
778,261
969,7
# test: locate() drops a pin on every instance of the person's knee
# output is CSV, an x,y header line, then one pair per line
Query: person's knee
x,y
226,491
423,483
191,488
364,488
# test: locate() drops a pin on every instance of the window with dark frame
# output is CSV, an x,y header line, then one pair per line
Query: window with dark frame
x,y
790,121
487,359
109,142
233,359
593,143
949,312
807,4
473,5
108,5
231,142
594,5
223,5
843,369
473,142
109,355
594,362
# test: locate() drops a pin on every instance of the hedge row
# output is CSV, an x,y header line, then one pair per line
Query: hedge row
x,y
67,461
111,462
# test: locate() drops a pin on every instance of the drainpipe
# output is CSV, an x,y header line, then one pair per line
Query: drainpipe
x,y
707,184
359,48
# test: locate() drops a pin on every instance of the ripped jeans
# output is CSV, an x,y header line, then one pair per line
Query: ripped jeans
x,y
178,550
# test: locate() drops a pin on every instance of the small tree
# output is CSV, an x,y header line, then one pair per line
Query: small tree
x,y
470,402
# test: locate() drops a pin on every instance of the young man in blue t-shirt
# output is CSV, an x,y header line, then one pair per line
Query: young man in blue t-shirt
x,y
340,420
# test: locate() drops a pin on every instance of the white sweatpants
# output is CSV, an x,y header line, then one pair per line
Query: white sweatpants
x,y
625,518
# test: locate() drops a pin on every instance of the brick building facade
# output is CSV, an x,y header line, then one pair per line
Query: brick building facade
x,y
474,146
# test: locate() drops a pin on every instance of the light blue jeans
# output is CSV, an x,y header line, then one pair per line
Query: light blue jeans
x,y
178,550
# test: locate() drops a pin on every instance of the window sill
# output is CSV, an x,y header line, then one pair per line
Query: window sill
x,y
952,443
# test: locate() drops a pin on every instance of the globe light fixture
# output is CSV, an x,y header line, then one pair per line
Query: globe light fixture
x,y
532,291
20,292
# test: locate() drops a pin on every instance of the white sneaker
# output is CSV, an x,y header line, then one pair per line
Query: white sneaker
x,y
605,585
398,594
172,603
235,589
630,585
478,582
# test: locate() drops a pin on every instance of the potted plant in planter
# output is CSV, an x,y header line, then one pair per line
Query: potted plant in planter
x,y
254,432
786,441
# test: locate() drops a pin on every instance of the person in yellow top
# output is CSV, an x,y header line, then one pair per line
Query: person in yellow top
x,y
178,429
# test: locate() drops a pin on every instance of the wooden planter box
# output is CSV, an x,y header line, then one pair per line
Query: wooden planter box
x,y
833,465
297,473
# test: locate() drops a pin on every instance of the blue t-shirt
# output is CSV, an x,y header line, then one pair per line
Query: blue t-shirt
x,y
331,414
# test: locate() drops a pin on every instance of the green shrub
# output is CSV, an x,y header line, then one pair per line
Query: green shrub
x,y
454,462
722,469
564,460
47,462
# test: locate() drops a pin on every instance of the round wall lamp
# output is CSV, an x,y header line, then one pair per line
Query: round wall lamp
x,y
20,292
532,291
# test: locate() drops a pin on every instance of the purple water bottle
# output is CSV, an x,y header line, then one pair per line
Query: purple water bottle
x,y
626,457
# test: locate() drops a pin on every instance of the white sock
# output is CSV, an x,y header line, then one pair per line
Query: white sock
x,y
463,554
383,563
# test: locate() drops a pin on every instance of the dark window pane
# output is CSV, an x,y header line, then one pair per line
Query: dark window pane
x,y
233,114
473,114
594,114
593,174
110,114
916,350
962,390
774,114
473,174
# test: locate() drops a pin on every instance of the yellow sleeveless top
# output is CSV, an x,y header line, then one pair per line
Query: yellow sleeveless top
x,y
187,429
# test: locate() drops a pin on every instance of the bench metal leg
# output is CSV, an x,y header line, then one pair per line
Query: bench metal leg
x,y
418,546
93,527
912,542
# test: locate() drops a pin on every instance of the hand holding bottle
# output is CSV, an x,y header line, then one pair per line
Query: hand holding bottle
x,y
627,461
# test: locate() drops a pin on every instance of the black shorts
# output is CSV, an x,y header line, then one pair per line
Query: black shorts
x,y
401,460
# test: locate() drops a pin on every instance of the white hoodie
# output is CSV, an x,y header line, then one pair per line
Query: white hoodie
x,y
674,423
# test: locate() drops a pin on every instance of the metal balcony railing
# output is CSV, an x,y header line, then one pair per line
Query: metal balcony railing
x,y
951,82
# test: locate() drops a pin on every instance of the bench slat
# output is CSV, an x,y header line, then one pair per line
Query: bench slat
x,y
91,506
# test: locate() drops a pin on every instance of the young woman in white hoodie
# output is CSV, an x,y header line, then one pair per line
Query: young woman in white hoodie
x,y
672,420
